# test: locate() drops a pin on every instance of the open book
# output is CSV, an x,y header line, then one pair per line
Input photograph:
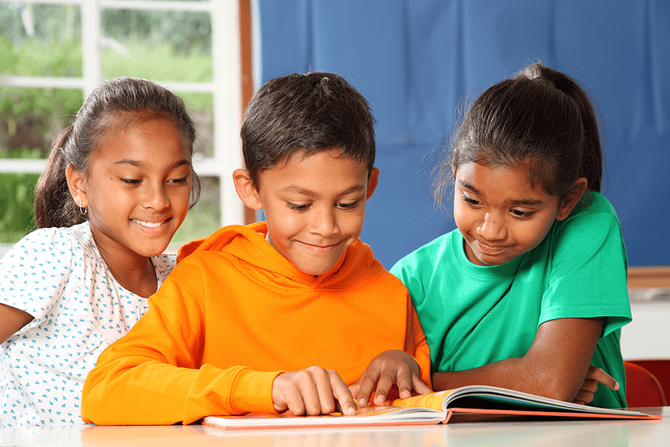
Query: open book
x,y
469,403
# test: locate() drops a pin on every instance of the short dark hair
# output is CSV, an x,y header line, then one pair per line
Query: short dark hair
x,y
306,113
540,119
113,105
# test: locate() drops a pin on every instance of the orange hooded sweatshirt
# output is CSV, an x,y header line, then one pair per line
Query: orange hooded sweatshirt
x,y
233,315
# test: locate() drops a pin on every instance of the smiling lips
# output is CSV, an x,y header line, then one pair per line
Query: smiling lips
x,y
149,224
319,248
490,249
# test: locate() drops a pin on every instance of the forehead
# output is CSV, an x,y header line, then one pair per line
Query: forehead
x,y
151,141
322,171
505,183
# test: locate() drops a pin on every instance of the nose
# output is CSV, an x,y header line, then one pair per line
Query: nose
x,y
156,197
492,228
324,222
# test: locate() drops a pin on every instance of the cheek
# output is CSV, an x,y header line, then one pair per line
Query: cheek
x,y
352,224
532,237
462,217
182,200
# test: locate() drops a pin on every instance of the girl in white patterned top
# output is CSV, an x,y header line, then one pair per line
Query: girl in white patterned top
x,y
116,187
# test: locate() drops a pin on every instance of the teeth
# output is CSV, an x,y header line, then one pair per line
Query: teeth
x,y
149,224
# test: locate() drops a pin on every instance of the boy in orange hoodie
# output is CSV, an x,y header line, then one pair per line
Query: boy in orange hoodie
x,y
239,324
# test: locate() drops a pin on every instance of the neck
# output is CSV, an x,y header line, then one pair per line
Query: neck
x,y
133,271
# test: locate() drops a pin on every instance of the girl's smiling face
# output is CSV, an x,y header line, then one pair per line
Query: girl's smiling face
x,y
137,189
501,215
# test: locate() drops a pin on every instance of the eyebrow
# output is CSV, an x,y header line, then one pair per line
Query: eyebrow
x,y
526,202
139,164
307,192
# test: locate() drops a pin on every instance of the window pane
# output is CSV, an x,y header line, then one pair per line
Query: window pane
x,y
40,40
161,45
204,218
30,118
201,108
17,193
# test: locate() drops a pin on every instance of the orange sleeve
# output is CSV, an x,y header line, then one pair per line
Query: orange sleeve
x,y
153,374
416,343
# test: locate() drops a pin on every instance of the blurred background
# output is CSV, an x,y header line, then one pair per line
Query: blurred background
x,y
53,53
415,61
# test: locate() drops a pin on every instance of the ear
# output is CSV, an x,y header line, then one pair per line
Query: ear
x,y
572,199
246,190
373,180
76,183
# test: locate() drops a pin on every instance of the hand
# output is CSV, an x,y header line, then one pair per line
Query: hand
x,y
312,391
387,369
593,377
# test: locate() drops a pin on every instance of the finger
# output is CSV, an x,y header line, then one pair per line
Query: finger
x,y
342,395
293,402
419,386
367,384
354,388
590,385
601,376
383,386
315,389
325,391
280,388
592,370
404,382
583,397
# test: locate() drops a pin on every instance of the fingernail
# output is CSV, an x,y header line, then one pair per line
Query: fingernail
x,y
361,403
379,399
616,387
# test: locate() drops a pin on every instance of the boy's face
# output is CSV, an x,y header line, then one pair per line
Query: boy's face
x,y
314,207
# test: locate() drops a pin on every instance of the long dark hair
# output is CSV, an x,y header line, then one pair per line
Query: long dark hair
x,y
114,103
540,119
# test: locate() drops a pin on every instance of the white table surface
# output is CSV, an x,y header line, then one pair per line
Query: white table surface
x,y
569,433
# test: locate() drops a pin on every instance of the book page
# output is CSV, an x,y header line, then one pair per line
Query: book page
x,y
434,401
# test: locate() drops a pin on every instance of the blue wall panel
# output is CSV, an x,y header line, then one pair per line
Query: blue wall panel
x,y
416,60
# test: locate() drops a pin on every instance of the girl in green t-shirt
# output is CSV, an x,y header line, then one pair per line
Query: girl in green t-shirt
x,y
530,292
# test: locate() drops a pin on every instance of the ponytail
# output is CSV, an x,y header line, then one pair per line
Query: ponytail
x,y
54,205
592,153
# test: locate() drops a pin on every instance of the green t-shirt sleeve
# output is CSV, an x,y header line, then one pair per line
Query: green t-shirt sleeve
x,y
588,271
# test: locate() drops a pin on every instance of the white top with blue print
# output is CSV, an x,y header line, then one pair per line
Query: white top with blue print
x,y
58,276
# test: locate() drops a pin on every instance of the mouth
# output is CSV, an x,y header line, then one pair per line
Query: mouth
x,y
150,225
490,249
320,248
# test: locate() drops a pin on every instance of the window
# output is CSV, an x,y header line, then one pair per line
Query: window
x,y
56,51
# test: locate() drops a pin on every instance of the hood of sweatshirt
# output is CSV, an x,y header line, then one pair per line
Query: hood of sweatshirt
x,y
261,261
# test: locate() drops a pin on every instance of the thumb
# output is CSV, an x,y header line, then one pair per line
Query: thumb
x,y
355,388
419,386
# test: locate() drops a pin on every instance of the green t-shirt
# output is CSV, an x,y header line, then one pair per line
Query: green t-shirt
x,y
474,315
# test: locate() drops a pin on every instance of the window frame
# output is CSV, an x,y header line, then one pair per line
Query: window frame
x,y
226,86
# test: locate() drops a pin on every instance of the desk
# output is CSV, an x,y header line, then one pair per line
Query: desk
x,y
569,433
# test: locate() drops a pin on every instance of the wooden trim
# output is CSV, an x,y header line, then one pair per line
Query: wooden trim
x,y
649,276
246,54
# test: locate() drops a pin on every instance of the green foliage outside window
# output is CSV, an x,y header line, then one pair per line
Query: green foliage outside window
x,y
164,46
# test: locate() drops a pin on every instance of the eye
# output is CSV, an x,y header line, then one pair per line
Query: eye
x,y
469,201
348,206
179,180
295,207
521,214
131,181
